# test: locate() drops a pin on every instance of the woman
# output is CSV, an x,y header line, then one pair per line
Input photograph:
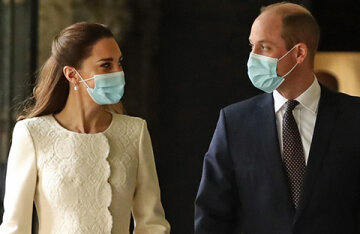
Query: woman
x,y
86,168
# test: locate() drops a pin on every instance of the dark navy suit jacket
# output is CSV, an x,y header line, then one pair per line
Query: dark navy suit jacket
x,y
244,188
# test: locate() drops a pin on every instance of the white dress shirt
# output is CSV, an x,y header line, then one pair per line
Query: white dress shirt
x,y
305,114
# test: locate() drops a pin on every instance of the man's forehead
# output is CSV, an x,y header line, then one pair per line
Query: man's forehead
x,y
269,19
266,26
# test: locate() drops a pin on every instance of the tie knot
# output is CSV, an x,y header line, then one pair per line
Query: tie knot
x,y
291,104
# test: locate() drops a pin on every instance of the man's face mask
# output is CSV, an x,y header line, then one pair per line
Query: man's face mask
x,y
262,71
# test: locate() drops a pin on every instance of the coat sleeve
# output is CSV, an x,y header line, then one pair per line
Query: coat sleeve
x,y
216,201
147,209
20,183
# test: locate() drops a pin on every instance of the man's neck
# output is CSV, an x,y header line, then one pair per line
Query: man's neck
x,y
295,85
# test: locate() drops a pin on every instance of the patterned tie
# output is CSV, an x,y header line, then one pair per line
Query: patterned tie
x,y
293,154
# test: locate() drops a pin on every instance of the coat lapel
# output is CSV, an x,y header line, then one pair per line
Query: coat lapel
x,y
322,133
271,146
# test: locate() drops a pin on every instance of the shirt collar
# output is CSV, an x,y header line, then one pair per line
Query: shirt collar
x,y
308,99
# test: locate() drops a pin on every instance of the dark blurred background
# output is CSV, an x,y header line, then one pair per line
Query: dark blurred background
x,y
184,61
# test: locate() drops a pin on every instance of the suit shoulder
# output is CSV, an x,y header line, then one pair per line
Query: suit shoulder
x,y
346,102
349,99
248,104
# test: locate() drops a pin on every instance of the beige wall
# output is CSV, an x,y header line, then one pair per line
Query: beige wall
x,y
345,66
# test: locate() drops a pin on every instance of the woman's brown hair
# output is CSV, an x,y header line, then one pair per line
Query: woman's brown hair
x,y
70,48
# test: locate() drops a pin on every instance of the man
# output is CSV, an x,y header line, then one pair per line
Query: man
x,y
288,161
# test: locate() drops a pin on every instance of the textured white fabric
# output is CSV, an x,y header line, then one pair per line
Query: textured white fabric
x,y
305,114
82,183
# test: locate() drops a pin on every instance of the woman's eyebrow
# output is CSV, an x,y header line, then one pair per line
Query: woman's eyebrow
x,y
105,59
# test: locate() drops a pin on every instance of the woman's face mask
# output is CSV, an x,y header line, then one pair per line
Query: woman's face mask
x,y
108,89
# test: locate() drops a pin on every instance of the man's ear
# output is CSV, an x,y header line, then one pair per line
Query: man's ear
x,y
70,74
301,52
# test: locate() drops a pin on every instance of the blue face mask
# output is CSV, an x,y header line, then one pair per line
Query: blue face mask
x,y
108,89
262,71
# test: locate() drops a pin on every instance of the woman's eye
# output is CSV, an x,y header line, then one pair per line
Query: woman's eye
x,y
106,65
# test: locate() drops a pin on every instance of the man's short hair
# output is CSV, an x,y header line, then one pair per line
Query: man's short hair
x,y
298,25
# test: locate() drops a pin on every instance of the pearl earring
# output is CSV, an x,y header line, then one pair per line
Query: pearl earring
x,y
76,88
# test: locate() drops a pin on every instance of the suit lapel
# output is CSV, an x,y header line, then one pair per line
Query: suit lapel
x,y
271,146
322,133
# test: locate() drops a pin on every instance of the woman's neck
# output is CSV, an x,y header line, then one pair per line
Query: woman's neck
x,y
83,116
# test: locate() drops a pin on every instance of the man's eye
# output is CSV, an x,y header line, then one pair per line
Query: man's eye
x,y
264,47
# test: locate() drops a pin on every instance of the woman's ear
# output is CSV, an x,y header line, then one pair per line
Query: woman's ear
x,y
70,74
301,52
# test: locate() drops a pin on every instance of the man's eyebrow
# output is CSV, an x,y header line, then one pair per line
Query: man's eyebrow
x,y
261,41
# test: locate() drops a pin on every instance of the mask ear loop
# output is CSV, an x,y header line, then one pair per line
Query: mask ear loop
x,y
287,52
82,80
293,66
290,71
